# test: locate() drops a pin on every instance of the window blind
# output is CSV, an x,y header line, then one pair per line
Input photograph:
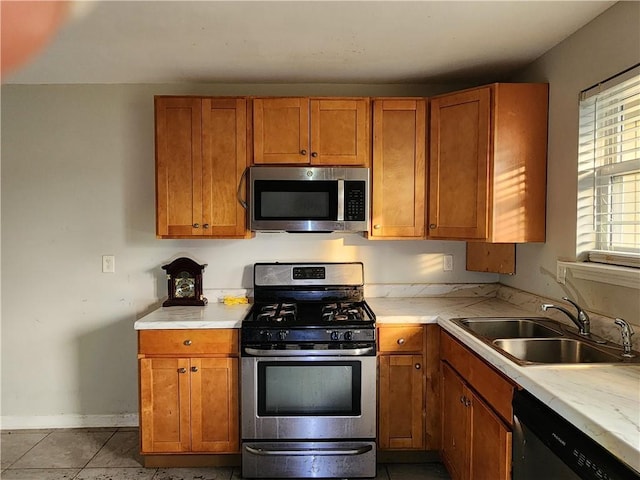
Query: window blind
x,y
609,171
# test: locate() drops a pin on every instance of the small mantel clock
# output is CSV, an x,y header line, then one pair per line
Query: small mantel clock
x,y
184,277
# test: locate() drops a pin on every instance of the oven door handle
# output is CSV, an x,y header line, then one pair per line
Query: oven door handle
x,y
352,352
310,451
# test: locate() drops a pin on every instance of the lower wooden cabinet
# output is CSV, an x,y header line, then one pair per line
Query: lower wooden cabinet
x,y
476,441
188,404
401,391
476,444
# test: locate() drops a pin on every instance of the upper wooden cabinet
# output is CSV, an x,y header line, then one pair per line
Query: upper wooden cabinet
x,y
201,154
315,131
398,168
487,178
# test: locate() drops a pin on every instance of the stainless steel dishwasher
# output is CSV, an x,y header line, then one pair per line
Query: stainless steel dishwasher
x,y
546,446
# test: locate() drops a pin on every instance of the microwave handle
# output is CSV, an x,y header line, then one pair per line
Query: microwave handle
x,y
242,201
340,201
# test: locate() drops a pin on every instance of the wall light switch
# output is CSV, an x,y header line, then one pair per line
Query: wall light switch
x,y
447,263
108,264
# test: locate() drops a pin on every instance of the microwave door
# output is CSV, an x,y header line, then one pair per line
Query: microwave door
x,y
294,205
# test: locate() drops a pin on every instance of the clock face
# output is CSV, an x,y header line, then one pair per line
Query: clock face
x,y
185,285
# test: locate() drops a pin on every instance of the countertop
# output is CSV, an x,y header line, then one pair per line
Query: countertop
x,y
212,315
603,401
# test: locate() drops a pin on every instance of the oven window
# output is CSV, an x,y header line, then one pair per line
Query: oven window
x,y
296,200
309,388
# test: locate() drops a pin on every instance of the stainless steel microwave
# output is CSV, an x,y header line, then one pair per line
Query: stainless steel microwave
x,y
309,199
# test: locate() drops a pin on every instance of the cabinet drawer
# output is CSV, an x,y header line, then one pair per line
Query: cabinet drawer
x,y
402,338
491,385
188,342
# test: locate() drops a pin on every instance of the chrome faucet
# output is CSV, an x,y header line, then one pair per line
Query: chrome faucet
x,y
581,320
626,332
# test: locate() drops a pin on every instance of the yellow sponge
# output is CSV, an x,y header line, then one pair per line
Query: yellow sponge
x,y
234,300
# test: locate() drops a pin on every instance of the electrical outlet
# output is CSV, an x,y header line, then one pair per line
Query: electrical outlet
x,y
108,264
447,263
561,273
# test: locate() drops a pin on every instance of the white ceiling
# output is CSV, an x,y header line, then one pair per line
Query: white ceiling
x,y
309,42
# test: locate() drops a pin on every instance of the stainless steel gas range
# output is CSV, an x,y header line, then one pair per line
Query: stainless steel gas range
x,y
308,371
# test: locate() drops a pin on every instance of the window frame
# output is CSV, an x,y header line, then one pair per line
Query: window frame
x,y
596,177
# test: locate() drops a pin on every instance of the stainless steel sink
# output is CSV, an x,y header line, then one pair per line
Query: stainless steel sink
x,y
541,340
555,350
493,328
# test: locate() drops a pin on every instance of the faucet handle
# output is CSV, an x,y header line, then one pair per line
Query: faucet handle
x,y
567,299
582,315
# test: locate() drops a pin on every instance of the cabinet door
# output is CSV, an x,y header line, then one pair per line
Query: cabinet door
x,y
454,424
490,443
459,165
281,130
164,405
401,402
214,405
178,166
340,131
398,170
224,160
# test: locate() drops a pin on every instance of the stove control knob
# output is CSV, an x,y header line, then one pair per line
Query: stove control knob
x,y
267,335
282,334
348,336
335,336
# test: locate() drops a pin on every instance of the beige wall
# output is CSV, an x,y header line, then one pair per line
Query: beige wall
x,y
599,50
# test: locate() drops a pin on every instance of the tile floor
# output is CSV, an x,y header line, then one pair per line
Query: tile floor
x,y
112,454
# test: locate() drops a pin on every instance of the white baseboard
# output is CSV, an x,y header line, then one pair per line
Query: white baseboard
x,y
68,421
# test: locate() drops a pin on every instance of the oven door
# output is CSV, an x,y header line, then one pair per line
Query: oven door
x,y
313,397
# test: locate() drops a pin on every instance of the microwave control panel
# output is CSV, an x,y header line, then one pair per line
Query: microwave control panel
x,y
355,198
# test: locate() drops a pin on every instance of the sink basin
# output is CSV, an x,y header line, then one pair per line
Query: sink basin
x,y
554,350
493,328
541,340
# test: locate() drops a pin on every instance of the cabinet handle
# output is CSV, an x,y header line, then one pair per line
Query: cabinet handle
x,y
187,343
400,341
377,226
462,399
432,226
182,370
194,369
418,366
206,225
196,225
314,154
467,402
303,152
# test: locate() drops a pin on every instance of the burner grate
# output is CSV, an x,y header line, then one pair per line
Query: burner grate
x,y
277,313
343,311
